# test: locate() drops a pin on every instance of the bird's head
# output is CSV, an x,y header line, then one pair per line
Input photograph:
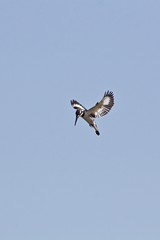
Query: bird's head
x,y
79,113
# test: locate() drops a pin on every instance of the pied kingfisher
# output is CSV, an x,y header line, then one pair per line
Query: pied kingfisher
x,y
99,110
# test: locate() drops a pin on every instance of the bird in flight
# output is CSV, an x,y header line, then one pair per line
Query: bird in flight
x,y
99,110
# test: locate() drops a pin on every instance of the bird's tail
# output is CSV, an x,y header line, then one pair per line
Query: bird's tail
x,y
97,132
96,129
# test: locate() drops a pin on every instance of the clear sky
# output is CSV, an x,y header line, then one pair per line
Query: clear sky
x,y
60,182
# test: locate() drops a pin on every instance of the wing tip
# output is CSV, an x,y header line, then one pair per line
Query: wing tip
x,y
76,105
108,93
71,101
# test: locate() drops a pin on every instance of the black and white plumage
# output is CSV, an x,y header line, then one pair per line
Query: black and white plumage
x,y
99,110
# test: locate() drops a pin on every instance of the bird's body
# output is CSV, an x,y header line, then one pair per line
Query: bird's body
x,y
99,110
90,121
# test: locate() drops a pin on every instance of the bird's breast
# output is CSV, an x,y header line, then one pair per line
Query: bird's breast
x,y
87,118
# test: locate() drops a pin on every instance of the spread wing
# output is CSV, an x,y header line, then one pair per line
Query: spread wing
x,y
102,107
77,105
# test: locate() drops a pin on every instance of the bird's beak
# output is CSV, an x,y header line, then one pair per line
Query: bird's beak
x,y
76,120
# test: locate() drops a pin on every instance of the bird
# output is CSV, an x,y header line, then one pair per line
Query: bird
x,y
99,110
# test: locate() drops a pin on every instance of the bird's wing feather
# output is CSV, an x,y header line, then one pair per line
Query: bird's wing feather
x,y
77,105
103,107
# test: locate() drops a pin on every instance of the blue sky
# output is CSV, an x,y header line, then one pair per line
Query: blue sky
x,y
58,181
